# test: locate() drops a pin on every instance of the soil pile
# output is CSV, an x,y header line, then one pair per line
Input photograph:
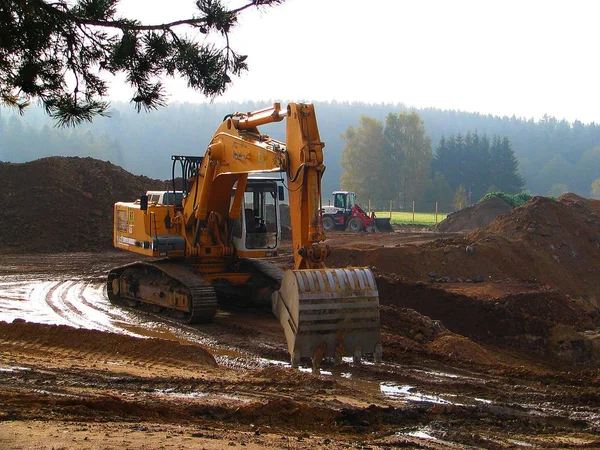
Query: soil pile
x,y
544,323
545,242
475,216
555,243
546,253
63,204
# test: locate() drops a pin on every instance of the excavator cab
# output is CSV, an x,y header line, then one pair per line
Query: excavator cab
x,y
258,228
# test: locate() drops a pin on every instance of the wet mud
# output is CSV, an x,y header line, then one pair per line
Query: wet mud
x,y
78,372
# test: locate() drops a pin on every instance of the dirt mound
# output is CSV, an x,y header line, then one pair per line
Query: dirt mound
x,y
546,242
475,216
454,346
285,412
63,204
405,329
570,198
113,345
509,284
524,322
556,243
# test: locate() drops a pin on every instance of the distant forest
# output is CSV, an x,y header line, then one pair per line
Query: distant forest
x,y
554,156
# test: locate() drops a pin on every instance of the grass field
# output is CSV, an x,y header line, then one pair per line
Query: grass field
x,y
406,218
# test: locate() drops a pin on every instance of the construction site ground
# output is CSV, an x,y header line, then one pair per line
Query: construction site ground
x,y
490,336
76,372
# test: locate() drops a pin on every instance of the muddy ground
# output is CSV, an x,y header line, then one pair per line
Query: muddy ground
x,y
470,374
490,335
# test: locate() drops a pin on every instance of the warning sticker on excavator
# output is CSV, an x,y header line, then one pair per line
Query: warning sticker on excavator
x,y
121,220
125,240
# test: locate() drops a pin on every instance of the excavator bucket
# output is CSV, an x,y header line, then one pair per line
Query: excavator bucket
x,y
329,313
383,225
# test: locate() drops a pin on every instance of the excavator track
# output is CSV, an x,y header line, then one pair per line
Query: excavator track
x,y
201,296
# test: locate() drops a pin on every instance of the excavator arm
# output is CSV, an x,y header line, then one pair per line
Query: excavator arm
x,y
324,312
238,149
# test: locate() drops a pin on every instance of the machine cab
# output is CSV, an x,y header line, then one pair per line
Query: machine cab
x,y
343,200
257,232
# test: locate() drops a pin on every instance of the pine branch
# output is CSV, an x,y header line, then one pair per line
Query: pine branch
x,y
56,52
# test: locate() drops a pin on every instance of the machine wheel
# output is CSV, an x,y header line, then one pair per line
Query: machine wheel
x,y
328,223
355,224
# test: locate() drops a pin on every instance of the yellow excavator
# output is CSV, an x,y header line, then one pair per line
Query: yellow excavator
x,y
211,240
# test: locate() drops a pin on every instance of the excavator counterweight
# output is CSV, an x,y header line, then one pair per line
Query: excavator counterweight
x,y
214,241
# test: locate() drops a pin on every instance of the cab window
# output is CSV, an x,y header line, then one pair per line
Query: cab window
x,y
339,201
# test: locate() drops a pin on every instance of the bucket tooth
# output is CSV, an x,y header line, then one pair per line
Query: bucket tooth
x,y
338,354
378,355
329,311
295,359
357,358
317,360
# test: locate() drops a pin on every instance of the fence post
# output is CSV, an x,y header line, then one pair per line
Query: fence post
x,y
369,206
436,211
390,210
413,211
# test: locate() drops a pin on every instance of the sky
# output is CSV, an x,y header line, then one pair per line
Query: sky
x,y
525,58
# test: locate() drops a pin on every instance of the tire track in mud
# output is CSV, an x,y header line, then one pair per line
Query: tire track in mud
x,y
83,303
62,299
81,355
26,301
77,303
133,322
50,301
85,347
97,314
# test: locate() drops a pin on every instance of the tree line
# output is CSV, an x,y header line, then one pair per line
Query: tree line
x,y
394,162
553,155
479,164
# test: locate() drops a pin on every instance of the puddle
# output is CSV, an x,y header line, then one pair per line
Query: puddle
x,y
407,393
13,369
56,394
519,443
426,434
422,434
193,395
